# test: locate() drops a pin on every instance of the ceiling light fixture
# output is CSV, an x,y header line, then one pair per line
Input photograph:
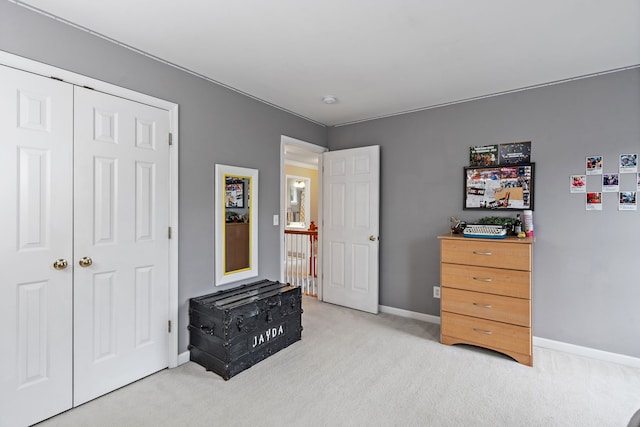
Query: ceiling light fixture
x,y
329,99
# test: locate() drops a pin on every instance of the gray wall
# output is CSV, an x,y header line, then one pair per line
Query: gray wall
x,y
585,280
585,267
216,126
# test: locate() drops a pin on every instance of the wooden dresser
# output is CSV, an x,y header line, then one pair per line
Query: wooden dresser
x,y
486,294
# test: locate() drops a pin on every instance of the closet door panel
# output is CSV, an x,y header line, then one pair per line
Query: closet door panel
x,y
121,220
36,124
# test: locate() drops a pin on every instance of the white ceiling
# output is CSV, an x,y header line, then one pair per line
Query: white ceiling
x,y
378,57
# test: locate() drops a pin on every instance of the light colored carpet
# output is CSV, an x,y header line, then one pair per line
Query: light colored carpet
x,y
357,369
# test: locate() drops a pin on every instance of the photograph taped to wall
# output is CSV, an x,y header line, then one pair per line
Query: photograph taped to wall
x,y
610,182
594,165
594,201
578,183
628,201
499,187
628,163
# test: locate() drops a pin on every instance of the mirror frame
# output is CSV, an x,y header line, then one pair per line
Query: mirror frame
x,y
221,172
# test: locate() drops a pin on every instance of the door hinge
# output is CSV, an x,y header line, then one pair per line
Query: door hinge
x,y
169,326
169,232
170,138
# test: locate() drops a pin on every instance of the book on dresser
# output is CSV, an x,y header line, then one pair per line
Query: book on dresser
x,y
486,294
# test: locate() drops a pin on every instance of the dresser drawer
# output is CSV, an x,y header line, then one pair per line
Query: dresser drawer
x,y
515,256
485,333
487,306
513,283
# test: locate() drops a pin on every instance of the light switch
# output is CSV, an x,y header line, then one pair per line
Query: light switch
x,y
275,220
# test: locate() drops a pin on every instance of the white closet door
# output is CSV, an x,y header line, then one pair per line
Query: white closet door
x,y
36,125
121,220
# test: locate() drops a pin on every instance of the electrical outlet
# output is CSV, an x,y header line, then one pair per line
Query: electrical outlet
x,y
276,219
436,291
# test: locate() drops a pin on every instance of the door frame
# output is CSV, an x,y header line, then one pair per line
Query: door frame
x,y
46,70
318,149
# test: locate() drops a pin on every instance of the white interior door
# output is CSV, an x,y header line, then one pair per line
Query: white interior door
x,y
36,128
351,199
121,219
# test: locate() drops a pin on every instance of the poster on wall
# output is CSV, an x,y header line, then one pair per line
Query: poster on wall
x,y
578,183
499,187
594,165
594,201
515,153
610,182
628,163
483,155
628,201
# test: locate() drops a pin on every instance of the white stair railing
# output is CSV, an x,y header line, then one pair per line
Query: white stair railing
x,y
301,260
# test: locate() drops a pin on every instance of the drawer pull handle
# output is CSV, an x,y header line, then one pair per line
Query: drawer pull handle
x,y
482,253
482,279
483,305
482,331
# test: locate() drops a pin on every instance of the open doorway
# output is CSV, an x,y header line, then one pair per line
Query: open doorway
x,y
300,214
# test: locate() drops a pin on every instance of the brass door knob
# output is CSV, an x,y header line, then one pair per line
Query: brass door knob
x,y
60,264
85,261
372,238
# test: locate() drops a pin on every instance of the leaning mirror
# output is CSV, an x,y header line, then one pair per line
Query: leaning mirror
x,y
236,224
298,201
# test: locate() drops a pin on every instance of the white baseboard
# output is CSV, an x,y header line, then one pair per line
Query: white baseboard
x,y
592,353
410,314
183,358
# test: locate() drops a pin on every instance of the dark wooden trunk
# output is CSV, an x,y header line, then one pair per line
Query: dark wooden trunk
x,y
234,329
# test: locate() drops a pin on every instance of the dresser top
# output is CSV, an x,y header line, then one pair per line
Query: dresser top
x,y
510,239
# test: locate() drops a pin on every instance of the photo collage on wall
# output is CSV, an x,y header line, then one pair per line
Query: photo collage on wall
x,y
609,182
499,176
